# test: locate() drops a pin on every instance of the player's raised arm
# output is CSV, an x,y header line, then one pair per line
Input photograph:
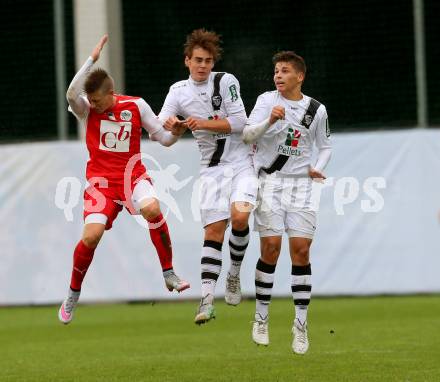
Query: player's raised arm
x,y
75,93
96,52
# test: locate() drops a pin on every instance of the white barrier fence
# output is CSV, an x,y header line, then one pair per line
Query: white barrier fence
x,y
378,224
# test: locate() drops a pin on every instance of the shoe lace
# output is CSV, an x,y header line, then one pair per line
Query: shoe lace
x,y
173,280
205,302
69,304
261,327
301,334
233,284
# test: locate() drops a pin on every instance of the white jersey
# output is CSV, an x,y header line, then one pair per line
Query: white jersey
x,y
190,98
287,145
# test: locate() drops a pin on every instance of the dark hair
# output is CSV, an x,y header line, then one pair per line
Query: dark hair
x,y
201,38
98,79
289,56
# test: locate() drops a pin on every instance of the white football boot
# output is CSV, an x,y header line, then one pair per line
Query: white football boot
x,y
260,332
300,343
233,290
65,313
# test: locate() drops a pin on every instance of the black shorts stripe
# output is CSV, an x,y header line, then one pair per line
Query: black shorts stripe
x,y
301,301
263,297
262,284
236,258
210,260
209,276
240,233
238,247
215,159
213,244
301,288
266,268
300,270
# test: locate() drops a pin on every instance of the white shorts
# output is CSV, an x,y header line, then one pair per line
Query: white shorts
x,y
143,190
221,186
284,205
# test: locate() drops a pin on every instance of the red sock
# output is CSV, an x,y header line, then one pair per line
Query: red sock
x,y
82,257
161,239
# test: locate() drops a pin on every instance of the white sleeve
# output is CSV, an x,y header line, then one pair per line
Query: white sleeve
x,y
153,126
149,120
236,113
251,133
323,143
78,103
258,121
164,137
260,112
170,107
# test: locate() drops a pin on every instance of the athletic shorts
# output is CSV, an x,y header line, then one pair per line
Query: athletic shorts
x,y
284,205
103,202
220,186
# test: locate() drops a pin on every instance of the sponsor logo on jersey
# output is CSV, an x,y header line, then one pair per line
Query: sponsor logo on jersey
x,y
215,117
126,115
115,136
290,146
233,92
287,150
293,137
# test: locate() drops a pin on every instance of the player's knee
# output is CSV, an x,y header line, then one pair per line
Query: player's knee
x,y
91,239
151,210
302,254
215,233
240,223
271,252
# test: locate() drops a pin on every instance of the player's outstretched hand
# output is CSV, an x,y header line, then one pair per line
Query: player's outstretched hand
x,y
278,112
97,49
316,175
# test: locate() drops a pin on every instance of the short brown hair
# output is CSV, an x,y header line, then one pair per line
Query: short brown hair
x,y
98,79
289,56
207,40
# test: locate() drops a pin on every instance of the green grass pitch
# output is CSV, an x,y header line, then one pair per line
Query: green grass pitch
x,y
351,339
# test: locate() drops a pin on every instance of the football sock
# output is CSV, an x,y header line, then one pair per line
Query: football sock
x,y
160,237
264,276
211,266
238,242
301,290
82,258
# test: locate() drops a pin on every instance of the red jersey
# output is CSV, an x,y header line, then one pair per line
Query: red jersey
x,y
113,138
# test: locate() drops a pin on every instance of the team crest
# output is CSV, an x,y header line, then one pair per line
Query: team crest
x,y
217,100
307,120
126,115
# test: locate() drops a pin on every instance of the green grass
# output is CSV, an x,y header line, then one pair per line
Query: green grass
x,y
375,339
